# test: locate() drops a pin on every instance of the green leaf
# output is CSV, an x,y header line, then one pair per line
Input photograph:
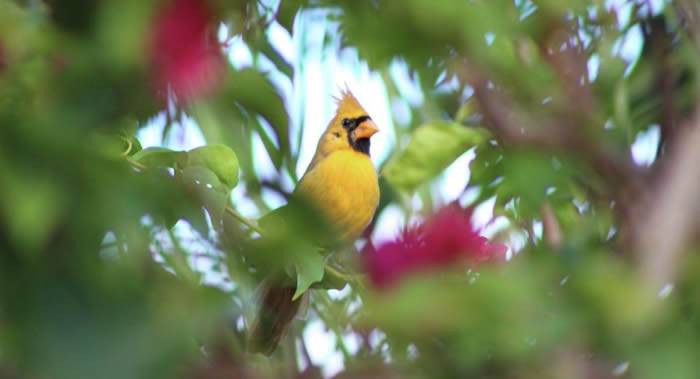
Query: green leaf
x,y
309,268
214,199
199,175
220,159
31,210
256,94
273,55
432,148
286,13
158,157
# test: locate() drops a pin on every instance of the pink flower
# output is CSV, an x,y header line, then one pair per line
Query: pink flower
x,y
448,238
185,54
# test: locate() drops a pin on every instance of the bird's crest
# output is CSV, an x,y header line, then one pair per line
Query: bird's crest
x,y
348,104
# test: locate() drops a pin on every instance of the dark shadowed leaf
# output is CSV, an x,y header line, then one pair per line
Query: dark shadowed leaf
x,y
209,191
253,90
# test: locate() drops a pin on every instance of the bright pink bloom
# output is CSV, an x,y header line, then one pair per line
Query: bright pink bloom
x,y
185,54
445,240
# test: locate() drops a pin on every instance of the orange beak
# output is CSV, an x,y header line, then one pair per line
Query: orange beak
x,y
366,129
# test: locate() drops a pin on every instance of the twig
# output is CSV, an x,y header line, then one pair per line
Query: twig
x,y
337,274
243,220
664,228
552,231
136,164
333,327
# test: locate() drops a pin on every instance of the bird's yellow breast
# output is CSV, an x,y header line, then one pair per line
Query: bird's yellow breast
x,y
344,186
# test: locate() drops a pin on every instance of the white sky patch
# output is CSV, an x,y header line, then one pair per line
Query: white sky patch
x,y
272,198
321,346
389,224
593,67
623,8
185,135
455,178
537,228
645,146
516,241
483,213
408,87
262,164
489,37
631,46
352,342
152,133
498,224
656,6
339,294
282,41
470,195
244,204
401,111
239,53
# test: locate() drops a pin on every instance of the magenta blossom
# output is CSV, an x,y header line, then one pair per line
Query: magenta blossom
x,y
185,54
447,239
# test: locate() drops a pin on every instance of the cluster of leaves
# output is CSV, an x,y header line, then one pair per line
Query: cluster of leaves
x,y
99,238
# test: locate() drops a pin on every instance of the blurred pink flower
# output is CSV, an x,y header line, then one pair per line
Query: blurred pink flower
x,y
185,54
448,238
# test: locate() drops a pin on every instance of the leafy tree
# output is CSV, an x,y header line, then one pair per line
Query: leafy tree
x,y
102,241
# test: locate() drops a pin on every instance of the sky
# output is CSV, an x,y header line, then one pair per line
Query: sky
x,y
321,70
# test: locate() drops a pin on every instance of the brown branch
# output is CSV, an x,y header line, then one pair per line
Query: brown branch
x,y
667,221
551,229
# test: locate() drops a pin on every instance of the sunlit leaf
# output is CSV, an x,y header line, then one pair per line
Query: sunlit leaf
x,y
158,157
309,267
432,148
220,159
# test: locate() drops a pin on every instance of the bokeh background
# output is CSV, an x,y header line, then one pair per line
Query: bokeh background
x,y
141,140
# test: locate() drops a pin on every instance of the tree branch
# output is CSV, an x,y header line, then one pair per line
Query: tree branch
x,y
666,223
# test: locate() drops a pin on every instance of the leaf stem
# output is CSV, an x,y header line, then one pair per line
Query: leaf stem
x,y
243,220
136,164
340,342
344,277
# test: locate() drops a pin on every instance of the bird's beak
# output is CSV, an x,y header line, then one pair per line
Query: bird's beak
x,y
366,129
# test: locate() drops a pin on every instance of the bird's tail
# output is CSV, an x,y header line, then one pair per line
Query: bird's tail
x,y
277,310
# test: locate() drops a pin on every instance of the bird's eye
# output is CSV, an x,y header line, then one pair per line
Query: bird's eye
x,y
336,134
347,122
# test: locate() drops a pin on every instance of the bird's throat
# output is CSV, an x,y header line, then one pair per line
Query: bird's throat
x,y
361,145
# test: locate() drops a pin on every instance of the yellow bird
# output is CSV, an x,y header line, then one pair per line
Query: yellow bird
x,y
341,182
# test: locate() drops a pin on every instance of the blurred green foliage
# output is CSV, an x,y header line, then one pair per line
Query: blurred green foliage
x,y
100,238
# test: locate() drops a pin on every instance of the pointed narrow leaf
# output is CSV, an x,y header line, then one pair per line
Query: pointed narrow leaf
x,y
256,94
432,148
310,268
